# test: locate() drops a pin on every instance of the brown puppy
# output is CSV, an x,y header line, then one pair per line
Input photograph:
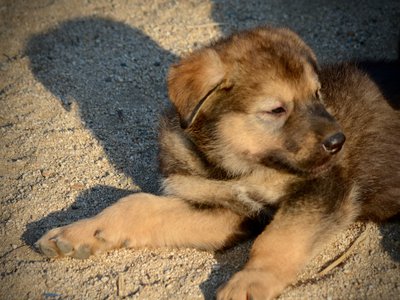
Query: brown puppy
x,y
253,125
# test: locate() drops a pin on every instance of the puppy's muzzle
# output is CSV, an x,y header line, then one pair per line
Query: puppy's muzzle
x,y
334,143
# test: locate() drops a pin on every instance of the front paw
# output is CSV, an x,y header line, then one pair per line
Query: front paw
x,y
252,284
79,240
246,201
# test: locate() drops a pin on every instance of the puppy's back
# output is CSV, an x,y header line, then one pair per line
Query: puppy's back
x,y
372,126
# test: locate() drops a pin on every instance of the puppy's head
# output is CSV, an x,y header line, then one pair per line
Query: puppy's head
x,y
253,99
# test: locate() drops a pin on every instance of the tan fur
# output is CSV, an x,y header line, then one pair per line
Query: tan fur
x,y
249,129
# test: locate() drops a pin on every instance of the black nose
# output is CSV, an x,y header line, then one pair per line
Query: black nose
x,y
334,143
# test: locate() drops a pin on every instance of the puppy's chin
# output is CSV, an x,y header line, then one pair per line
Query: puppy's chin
x,y
308,168
321,167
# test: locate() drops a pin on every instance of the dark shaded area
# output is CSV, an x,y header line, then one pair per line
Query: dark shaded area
x,y
87,204
231,259
386,75
229,262
391,237
319,22
116,76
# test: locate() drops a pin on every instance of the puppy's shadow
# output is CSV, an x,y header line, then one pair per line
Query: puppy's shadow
x,y
115,76
390,232
228,263
87,204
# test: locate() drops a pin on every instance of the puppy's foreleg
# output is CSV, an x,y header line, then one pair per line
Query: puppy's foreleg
x,y
201,191
143,220
283,249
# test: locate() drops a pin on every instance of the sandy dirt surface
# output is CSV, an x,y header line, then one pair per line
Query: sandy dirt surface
x,y
81,85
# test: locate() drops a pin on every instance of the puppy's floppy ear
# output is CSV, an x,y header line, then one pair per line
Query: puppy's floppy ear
x,y
192,81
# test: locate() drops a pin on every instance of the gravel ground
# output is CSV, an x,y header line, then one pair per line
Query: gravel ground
x,y
81,85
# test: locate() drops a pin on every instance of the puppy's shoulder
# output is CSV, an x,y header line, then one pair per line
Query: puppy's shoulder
x,y
177,153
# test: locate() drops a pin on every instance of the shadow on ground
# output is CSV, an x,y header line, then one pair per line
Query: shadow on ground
x,y
390,232
86,205
229,262
115,74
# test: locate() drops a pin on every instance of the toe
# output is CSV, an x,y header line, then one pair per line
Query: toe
x,y
83,252
65,247
47,250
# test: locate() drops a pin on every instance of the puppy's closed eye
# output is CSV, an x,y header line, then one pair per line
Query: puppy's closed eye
x,y
277,111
